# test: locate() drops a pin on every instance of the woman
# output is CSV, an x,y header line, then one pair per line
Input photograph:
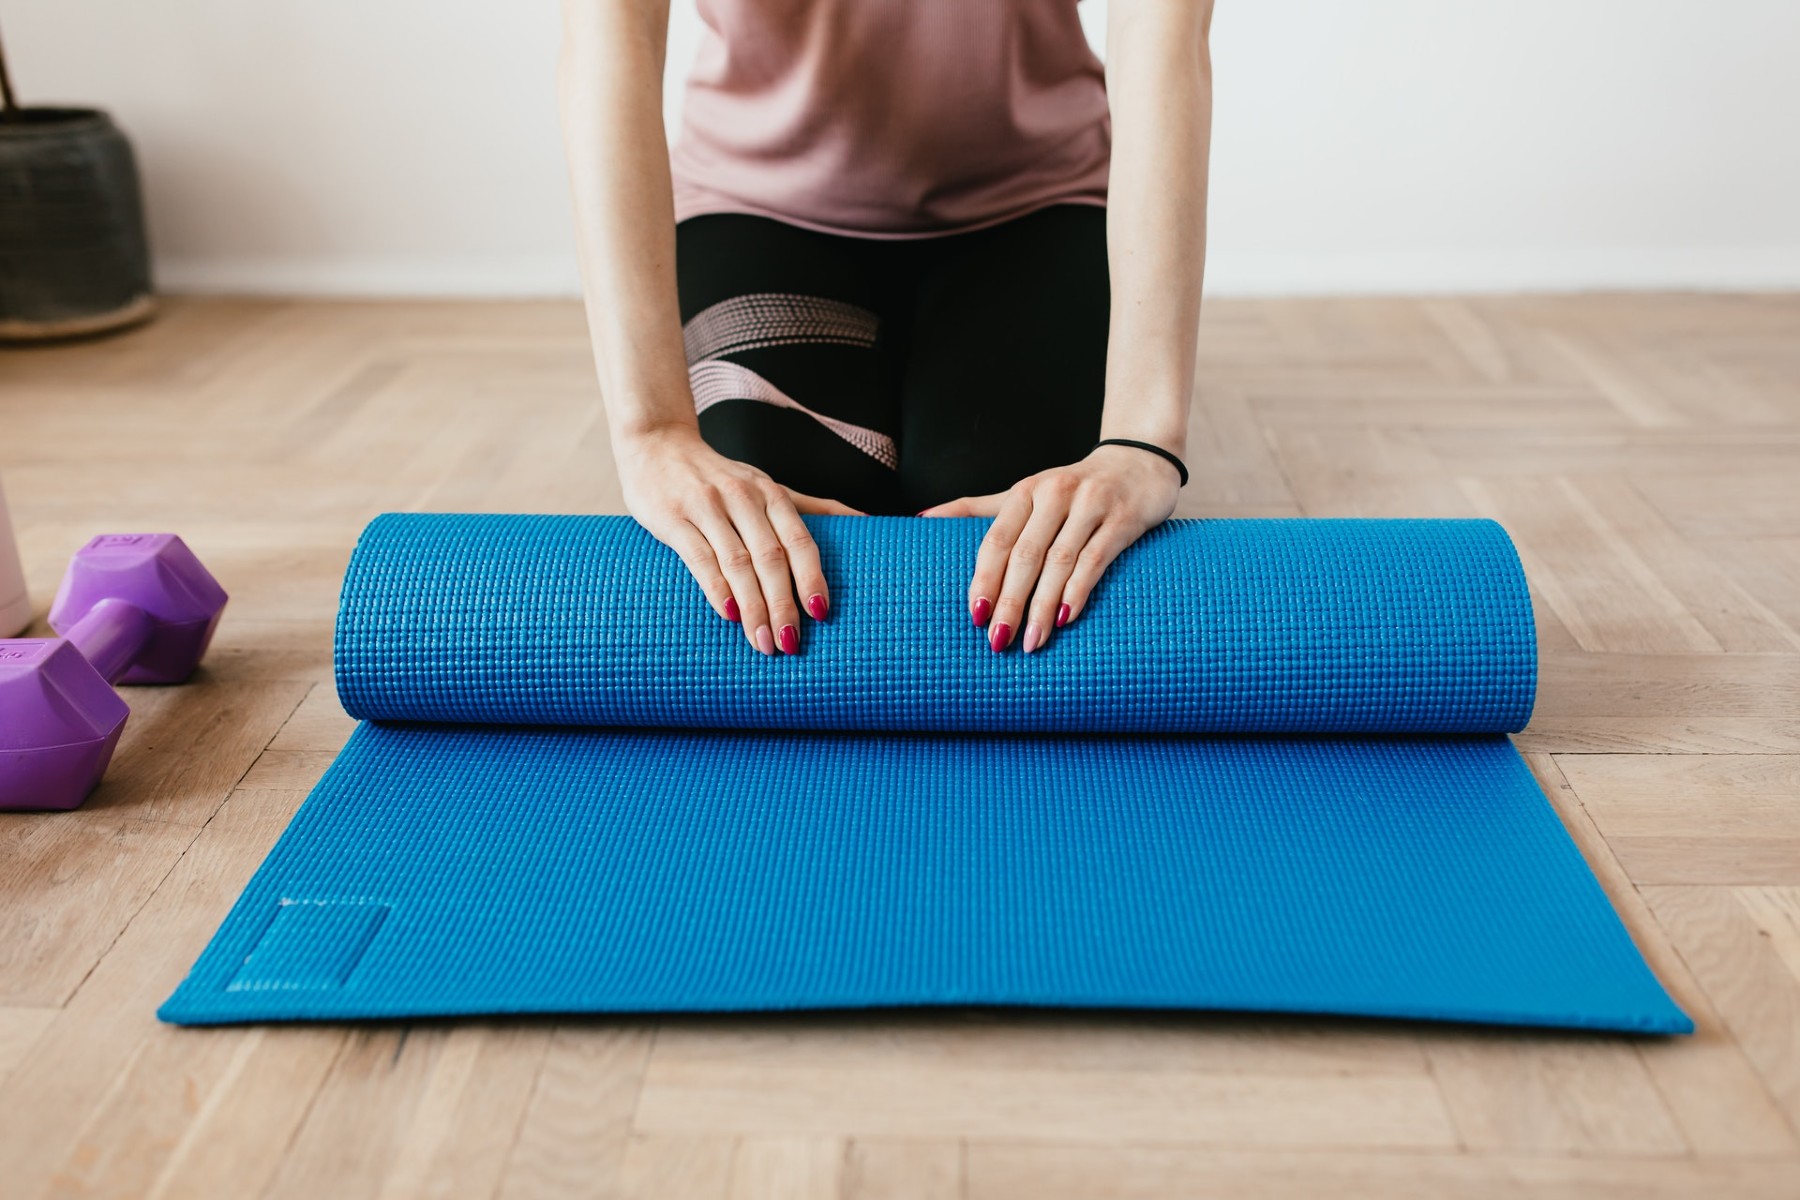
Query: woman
x,y
901,258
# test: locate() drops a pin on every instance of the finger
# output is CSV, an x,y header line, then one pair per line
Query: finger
x,y
1048,611
996,544
821,506
968,506
740,571
802,556
1025,561
749,510
1108,542
697,555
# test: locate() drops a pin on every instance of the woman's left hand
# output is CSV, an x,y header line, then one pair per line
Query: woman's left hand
x,y
1055,533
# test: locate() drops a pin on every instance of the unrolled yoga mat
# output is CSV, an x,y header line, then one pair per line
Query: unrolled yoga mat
x,y
1267,769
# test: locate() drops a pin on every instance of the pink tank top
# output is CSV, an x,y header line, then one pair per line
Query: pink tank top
x,y
891,118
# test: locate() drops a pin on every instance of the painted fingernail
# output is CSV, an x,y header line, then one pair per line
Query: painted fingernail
x,y
731,609
790,640
1002,634
815,604
1034,636
1062,616
984,608
765,641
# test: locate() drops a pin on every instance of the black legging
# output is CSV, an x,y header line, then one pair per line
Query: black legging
x,y
894,375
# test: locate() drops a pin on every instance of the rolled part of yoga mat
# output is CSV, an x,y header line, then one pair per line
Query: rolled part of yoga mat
x,y
1265,770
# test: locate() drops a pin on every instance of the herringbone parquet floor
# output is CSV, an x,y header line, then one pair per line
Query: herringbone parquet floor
x,y
1643,450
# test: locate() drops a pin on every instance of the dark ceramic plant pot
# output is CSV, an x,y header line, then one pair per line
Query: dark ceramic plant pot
x,y
73,256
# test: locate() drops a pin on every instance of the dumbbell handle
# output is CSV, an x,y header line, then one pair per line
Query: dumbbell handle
x,y
110,636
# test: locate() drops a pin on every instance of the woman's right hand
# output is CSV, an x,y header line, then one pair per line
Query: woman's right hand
x,y
738,531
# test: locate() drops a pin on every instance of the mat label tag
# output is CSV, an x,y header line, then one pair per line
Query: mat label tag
x,y
310,945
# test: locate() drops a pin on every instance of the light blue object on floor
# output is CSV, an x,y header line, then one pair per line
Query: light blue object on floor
x,y
1266,770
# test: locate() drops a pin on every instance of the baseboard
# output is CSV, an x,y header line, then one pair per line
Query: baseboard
x,y
1230,272
499,276
1412,272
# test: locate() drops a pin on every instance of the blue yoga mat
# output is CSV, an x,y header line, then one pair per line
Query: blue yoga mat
x,y
1266,770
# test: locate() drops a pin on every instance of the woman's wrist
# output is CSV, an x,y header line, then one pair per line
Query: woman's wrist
x,y
1168,431
1158,415
649,434
1146,451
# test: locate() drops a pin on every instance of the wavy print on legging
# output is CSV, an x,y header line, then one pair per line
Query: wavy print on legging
x,y
763,319
717,381
774,319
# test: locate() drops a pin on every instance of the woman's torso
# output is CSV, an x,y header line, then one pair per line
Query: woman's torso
x,y
891,118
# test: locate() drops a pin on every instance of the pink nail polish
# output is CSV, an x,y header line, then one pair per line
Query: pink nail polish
x,y
1002,634
815,604
731,609
984,608
765,641
790,640
1062,616
1034,637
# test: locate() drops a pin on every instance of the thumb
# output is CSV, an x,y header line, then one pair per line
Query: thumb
x,y
968,506
819,505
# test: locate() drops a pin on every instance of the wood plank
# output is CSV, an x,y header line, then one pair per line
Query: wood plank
x,y
1704,1081
1240,471
1552,1095
1731,948
1695,818
72,882
787,1168
1737,620
1377,472
89,1049
320,725
288,768
572,1140
1002,1172
1673,686
1661,735
1768,568
1752,501
351,1138
236,1135
657,1167
890,1170
19,1029
1594,578
463,1130
147,1128
1046,1103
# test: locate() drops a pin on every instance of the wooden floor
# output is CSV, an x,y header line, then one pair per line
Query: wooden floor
x,y
1644,451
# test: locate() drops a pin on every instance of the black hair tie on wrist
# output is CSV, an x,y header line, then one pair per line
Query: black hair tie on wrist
x,y
1156,450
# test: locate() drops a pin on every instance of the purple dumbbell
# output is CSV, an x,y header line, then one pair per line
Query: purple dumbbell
x,y
134,608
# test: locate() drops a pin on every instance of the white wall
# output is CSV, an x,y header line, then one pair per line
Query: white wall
x,y
411,146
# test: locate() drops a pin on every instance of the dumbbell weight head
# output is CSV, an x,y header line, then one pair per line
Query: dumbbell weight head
x,y
150,611
59,722
159,574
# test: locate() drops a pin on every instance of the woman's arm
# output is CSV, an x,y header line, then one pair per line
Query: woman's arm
x,y
1055,533
738,531
1159,85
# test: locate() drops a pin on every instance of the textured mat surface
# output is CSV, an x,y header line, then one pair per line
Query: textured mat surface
x,y
1266,770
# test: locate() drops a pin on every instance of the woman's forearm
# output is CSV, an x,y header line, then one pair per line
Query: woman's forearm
x,y
1159,81
609,90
